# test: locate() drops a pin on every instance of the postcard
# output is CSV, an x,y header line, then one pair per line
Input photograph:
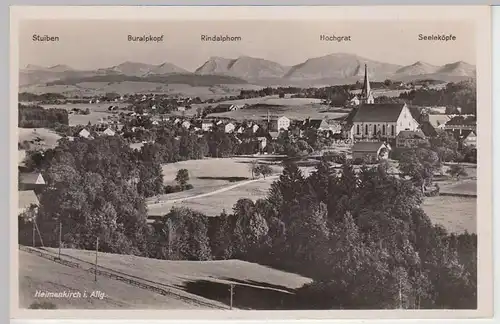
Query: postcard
x,y
251,162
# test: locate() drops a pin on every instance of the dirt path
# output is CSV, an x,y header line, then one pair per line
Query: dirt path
x,y
215,192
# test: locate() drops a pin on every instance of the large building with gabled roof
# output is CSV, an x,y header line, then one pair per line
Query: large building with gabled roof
x,y
371,121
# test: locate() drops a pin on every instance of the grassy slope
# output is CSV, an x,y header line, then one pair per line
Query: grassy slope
x,y
48,138
36,273
179,273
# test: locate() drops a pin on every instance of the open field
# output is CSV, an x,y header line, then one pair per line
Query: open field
x,y
256,286
39,138
456,214
294,112
98,112
39,274
205,175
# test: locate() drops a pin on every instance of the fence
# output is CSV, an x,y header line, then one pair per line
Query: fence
x,y
115,275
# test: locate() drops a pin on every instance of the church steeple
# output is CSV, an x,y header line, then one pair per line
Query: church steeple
x,y
366,92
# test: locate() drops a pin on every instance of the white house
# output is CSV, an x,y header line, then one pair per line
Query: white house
x,y
186,124
279,123
381,120
181,108
206,125
84,133
229,127
108,131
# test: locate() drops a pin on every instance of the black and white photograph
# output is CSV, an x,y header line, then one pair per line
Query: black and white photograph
x,y
251,164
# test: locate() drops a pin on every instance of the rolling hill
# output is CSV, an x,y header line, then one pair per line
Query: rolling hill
x,y
245,67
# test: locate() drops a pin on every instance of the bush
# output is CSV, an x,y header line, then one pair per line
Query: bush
x,y
177,188
338,158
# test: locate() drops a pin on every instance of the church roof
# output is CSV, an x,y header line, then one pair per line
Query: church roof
x,y
370,113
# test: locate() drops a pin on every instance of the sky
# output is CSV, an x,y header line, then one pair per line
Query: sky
x,y
91,44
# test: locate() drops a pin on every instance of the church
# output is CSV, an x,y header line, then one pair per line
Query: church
x,y
370,121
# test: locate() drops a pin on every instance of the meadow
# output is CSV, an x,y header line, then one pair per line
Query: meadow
x,y
255,286
98,112
39,274
211,178
39,138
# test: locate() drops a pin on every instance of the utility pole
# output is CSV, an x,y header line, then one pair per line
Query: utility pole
x,y
231,293
60,236
33,220
96,249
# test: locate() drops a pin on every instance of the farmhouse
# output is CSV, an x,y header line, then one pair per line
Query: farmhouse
x,y
437,121
469,138
26,199
277,124
206,125
84,133
461,123
380,121
229,127
373,151
30,181
410,139
109,132
186,124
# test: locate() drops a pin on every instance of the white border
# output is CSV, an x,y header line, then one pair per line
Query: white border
x,y
478,14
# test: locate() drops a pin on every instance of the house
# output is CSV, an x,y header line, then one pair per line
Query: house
x,y
84,133
206,125
380,121
262,142
460,124
30,181
469,139
181,108
277,124
372,151
186,124
437,121
222,108
354,101
274,135
154,122
427,128
109,132
229,127
410,139
25,200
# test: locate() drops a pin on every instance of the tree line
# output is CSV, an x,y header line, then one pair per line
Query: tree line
x,y
39,117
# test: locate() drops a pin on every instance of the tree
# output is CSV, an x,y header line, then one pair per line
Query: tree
x,y
265,170
420,166
457,171
254,168
182,177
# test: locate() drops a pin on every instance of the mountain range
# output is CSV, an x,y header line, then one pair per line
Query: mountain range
x,y
330,69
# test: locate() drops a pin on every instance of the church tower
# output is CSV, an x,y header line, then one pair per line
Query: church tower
x,y
366,94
